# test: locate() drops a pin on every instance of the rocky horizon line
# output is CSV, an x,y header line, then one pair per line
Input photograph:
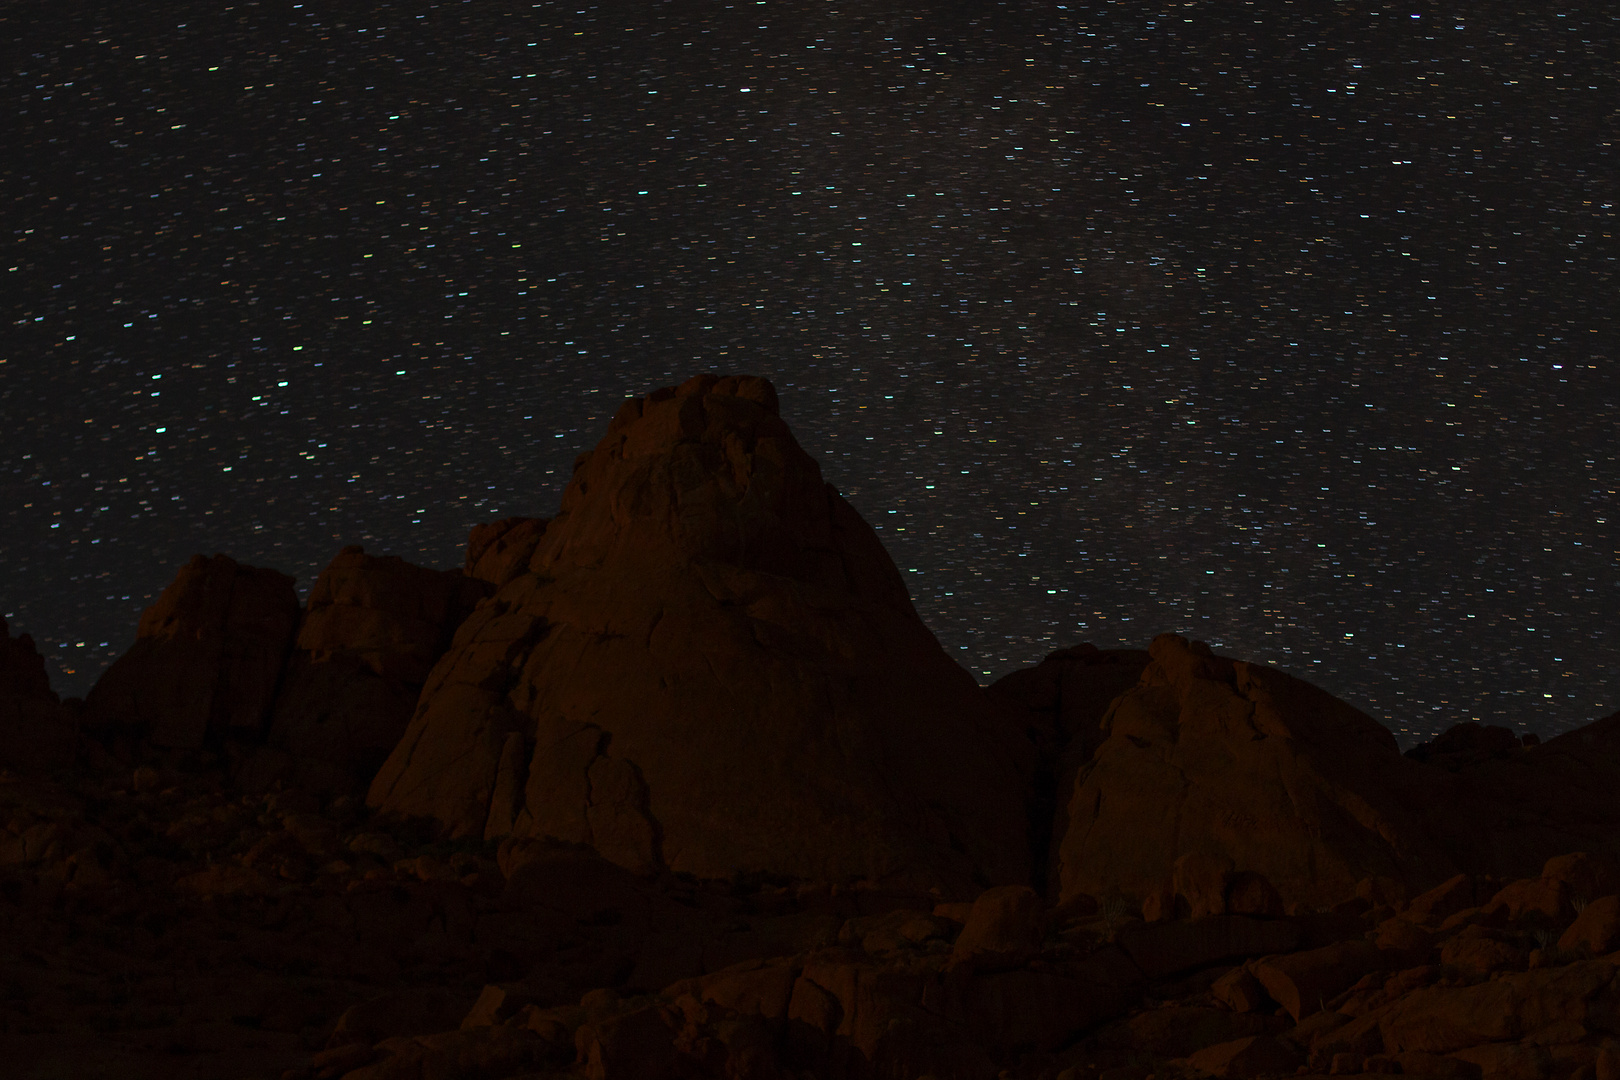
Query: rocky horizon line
x,y
676,785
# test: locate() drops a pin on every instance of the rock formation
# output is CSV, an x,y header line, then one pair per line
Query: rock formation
x,y
711,665
1468,744
1062,701
1213,771
705,664
499,551
370,633
36,732
1530,803
206,658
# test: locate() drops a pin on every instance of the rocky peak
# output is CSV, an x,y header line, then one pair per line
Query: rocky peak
x,y
712,666
22,669
708,472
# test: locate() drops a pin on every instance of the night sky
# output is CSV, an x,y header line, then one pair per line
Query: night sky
x,y
1286,326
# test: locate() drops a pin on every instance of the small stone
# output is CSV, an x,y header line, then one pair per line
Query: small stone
x,y
1239,991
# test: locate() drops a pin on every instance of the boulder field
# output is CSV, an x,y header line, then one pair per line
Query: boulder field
x,y
676,784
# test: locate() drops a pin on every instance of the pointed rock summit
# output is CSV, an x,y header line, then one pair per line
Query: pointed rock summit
x,y
36,732
710,665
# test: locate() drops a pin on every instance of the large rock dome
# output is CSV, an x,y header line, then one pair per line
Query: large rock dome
x,y
712,666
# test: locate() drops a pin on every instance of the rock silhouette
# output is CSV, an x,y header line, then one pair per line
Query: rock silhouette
x,y
1545,797
1466,744
1213,769
712,666
36,732
689,792
206,659
370,633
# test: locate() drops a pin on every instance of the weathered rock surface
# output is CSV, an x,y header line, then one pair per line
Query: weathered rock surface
x,y
1303,982
1244,767
1061,702
1562,1004
370,633
713,667
36,732
206,658
499,551
1595,931
1256,1055
1006,925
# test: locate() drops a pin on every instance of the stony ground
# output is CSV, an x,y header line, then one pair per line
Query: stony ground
x,y
154,923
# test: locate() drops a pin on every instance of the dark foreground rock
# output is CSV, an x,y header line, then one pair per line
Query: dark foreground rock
x,y
155,923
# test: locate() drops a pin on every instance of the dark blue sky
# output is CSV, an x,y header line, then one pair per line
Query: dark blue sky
x,y
1291,329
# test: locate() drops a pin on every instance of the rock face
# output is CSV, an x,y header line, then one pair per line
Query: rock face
x,y
499,551
1246,771
206,658
372,630
1062,701
712,666
1067,694
36,732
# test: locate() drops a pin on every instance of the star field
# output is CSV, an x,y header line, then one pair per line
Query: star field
x,y
1285,326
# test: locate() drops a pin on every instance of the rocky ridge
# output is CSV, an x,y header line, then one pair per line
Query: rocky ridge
x,y
1207,868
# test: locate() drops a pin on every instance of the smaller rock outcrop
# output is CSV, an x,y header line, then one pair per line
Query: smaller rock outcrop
x,y
1466,744
1272,786
1061,702
1556,796
371,631
206,659
36,732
